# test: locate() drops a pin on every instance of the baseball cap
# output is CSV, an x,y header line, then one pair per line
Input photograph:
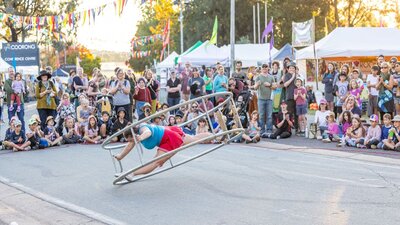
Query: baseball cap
x,y
323,101
17,123
374,118
32,121
283,103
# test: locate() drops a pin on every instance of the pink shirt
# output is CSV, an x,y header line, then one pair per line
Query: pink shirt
x,y
356,92
333,128
300,100
345,126
373,133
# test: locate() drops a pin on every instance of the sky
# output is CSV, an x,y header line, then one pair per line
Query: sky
x,y
110,32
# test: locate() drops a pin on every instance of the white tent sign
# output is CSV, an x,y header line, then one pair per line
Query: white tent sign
x,y
302,33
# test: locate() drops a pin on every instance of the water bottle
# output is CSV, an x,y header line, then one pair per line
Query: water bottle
x,y
306,132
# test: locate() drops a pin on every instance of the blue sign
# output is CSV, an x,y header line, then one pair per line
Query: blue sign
x,y
20,54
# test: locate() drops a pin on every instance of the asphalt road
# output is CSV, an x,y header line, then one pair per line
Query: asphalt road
x,y
237,184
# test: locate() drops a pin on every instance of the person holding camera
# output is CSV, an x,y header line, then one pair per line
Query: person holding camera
x,y
120,90
146,111
196,85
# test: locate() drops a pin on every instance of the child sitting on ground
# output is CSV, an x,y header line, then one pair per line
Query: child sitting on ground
x,y
105,125
354,134
34,134
373,134
332,132
17,140
83,112
387,125
254,130
284,123
50,133
11,129
120,124
345,121
301,105
320,119
70,135
393,141
92,132
18,88
65,109
202,126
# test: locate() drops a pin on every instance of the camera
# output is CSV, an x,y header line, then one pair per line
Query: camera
x,y
147,110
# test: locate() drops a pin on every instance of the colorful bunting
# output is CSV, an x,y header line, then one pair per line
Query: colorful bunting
x,y
54,22
144,40
142,54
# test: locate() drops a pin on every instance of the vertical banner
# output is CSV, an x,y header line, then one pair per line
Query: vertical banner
x,y
303,33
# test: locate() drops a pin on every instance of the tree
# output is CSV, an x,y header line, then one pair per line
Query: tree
x,y
154,20
87,60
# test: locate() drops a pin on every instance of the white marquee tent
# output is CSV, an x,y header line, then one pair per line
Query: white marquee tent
x,y
206,54
251,54
168,62
355,42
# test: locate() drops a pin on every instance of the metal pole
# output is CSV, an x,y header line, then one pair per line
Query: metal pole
x,y
258,21
254,24
65,54
181,20
266,12
232,36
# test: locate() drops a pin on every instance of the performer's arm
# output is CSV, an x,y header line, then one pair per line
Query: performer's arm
x,y
144,134
126,150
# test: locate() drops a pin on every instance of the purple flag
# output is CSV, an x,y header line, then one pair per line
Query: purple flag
x,y
268,29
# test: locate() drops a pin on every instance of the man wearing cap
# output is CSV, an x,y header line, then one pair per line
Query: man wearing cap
x,y
8,89
173,89
289,84
264,84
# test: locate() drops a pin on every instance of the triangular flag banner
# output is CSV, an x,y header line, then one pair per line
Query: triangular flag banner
x,y
213,39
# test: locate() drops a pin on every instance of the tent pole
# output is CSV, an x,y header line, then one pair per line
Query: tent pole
x,y
315,55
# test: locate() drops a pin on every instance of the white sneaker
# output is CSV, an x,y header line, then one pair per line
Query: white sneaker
x,y
319,137
326,140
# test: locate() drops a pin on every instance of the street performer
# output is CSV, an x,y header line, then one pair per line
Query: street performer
x,y
166,139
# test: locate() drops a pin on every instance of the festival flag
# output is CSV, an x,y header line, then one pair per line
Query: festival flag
x,y
213,39
268,29
165,39
303,33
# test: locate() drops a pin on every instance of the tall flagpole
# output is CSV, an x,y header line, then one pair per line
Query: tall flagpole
x,y
258,21
181,21
232,60
254,24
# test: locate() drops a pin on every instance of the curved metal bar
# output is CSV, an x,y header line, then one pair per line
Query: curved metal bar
x,y
123,175
228,96
168,168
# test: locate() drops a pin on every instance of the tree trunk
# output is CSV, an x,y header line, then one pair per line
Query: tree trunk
x,y
14,35
335,3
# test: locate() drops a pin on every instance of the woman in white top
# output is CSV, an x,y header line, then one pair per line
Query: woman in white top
x,y
320,117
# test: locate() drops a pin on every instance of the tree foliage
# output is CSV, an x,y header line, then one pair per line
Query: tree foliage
x,y
155,17
87,60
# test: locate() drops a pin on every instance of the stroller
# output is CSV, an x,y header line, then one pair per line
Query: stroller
x,y
104,103
242,105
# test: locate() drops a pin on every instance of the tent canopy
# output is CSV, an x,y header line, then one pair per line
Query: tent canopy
x,y
285,51
60,73
178,58
251,54
356,42
206,54
168,62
